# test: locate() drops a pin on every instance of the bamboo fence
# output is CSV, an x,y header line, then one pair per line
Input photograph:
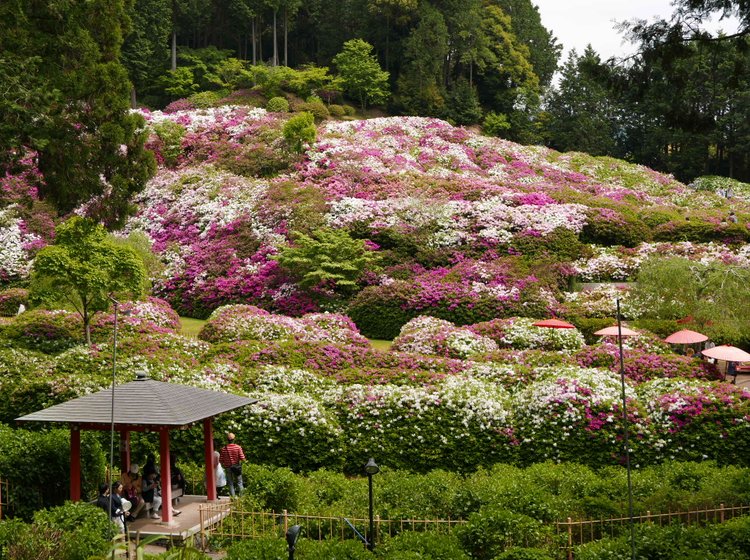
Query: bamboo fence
x,y
226,522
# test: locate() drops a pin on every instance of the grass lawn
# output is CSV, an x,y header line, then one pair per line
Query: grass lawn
x,y
191,327
383,345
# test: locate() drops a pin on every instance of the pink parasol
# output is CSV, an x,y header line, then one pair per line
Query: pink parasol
x,y
686,336
554,324
613,331
727,353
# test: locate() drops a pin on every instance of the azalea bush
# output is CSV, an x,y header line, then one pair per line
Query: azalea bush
x,y
428,335
11,301
698,420
570,413
520,333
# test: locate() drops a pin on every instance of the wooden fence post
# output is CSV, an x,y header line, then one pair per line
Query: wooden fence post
x,y
570,539
721,513
286,522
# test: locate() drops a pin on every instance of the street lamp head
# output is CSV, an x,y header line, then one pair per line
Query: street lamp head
x,y
371,467
293,534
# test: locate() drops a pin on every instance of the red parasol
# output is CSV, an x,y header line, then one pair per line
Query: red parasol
x,y
727,353
686,336
613,331
554,324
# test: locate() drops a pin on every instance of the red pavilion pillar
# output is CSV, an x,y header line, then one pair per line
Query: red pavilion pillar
x,y
208,446
166,476
75,464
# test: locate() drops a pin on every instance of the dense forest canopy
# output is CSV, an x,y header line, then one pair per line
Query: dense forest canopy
x,y
70,71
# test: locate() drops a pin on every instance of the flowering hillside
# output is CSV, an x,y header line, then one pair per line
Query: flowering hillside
x,y
465,227
404,228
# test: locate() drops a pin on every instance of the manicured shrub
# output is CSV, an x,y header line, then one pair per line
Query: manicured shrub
x,y
278,105
350,111
492,531
606,226
336,111
11,300
316,108
264,548
522,553
206,99
700,231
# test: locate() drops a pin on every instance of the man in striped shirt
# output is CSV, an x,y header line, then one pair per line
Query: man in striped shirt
x,y
231,458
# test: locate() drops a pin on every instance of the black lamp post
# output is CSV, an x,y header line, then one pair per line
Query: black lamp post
x,y
112,410
371,468
292,534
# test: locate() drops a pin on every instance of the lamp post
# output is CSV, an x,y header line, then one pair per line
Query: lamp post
x,y
112,409
292,535
371,468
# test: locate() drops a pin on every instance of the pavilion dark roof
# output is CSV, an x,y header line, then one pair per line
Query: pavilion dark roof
x,y
144,402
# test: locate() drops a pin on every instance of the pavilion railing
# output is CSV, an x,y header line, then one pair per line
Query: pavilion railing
x,y
228,521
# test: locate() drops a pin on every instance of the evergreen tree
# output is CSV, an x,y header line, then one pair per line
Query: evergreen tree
x,y
87,142
582,113
362,77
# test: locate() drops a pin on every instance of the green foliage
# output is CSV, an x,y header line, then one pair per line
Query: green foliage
x,y
495,124
712,294
463,104
328,259
493,530
83,268
44,331
422,545
73,111
86,531
701,231
523,553
179,83
170,135
278,105
266,548
300,130
336,111
206,99
361,75
37,467
316,107
611,227
675,542
11,299
350,111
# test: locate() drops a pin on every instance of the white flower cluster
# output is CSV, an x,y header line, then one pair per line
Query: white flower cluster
x,y
15,261
198,119
428,335
522,334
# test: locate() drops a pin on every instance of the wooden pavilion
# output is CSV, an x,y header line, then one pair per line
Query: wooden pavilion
x,y
143,405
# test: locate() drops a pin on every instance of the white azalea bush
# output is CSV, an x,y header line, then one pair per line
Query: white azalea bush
x,y
288,429
428,335
571,413
520,333
457,425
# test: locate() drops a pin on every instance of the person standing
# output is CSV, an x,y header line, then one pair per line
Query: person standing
x,y
220,477
231,458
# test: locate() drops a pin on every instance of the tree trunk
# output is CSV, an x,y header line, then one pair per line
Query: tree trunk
x,y
260,39
133,100
87,325
387,39
174,49
255,59
275,45
286,39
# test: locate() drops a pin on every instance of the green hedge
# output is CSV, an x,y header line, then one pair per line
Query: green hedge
x,y
74,531
36,465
